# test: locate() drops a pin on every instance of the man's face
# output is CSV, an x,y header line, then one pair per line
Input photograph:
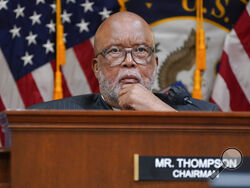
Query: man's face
x,y
127,36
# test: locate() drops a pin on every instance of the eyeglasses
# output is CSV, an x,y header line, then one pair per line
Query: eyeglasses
x,y
116,55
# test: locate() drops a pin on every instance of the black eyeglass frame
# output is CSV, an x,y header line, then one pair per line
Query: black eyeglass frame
x,y
104,51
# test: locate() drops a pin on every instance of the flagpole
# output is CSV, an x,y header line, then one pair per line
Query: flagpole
x,y
200,50
60,53
122,5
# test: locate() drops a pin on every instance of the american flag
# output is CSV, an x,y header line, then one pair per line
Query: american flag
x,y
232,86
5,138
27,54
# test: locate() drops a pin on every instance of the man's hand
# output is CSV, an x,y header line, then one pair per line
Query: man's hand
x,y
137,97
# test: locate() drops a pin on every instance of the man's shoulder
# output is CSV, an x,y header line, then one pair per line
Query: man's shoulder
x,y
193,105
204,105
80,102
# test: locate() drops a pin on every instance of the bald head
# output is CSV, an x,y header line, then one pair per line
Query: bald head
x,y
125,29
121,31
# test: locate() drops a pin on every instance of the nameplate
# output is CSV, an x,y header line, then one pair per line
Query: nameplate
x,y
179,168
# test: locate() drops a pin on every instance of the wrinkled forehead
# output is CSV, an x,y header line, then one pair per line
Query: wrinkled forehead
x,y
126,32
130,33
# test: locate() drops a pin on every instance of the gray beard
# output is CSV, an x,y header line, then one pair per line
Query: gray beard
x,y
110,90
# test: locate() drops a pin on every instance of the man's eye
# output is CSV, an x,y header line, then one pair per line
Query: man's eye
x,y
113,50
141,49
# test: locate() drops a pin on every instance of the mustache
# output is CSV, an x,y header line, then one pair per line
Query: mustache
x,y
129,73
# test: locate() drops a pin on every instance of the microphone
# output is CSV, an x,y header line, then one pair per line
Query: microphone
x,y
178,96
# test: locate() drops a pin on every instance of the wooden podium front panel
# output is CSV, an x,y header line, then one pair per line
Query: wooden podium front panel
x,y
95,149
4,168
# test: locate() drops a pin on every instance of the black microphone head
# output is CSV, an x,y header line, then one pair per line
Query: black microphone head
x,y
177,95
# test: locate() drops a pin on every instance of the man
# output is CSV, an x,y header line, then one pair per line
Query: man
x,y
125,65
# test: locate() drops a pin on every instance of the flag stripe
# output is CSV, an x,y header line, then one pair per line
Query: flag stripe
x,y
238,100
212,101
85,53
74,75
8,89
248,8
26,92
66,92
239,62
2,107
92,40
221,99
44,78
242,29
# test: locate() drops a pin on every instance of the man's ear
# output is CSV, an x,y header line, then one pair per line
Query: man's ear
x,y
95,67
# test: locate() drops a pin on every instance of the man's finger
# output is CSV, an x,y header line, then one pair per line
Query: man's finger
x,y
124,89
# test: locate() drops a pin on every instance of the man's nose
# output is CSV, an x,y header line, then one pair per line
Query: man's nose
x,y
128,61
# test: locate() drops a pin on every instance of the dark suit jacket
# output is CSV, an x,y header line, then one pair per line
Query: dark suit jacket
x,y
95,102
